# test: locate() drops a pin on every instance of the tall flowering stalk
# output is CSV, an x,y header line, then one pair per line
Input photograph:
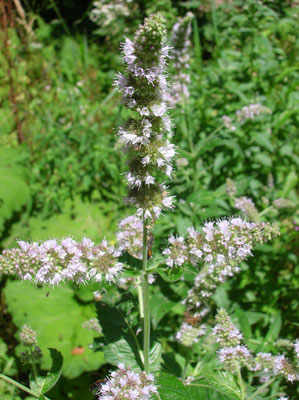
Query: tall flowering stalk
x,y
149,154
180,43
144,92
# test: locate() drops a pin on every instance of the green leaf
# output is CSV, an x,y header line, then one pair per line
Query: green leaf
x,y
171,274
290,182
44,383
275,328
225,383
244,323
263,140
121,342
263,159
205,391
170,387
14,191
160,306
202,197
57,317
156,357
273,332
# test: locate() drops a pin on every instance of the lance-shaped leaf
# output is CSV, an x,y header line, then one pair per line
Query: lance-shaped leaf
x,y
121,342
44,383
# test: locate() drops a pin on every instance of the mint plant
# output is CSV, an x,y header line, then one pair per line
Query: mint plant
x,y
210,256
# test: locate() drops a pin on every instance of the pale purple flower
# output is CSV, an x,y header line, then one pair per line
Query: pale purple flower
x,y
54,261
125,384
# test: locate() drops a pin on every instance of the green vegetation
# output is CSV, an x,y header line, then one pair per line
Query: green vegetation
x,y
61,175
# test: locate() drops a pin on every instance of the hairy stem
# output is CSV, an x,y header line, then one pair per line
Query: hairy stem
x,y
20,386
241,383
34,368
261,389
146,305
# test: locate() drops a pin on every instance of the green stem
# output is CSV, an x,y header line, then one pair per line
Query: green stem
x,y
208,138
260,390
241,383
146,305
215,27
60,17
20,386
207,386
186,366
265,211
34,369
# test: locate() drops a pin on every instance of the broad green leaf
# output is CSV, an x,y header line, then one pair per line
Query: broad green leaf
x,y
57,319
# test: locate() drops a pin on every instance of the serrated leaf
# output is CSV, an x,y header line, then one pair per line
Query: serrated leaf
x,y
121,342
171,274
170,387
156,357
225,383
44,383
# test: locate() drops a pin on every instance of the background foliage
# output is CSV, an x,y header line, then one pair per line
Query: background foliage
x,y
61,170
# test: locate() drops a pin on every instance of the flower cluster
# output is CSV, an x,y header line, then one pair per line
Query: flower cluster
x,y
221,246
28,336
230,187
247,112
125,384
250,112
104,12
178,253
228,123
229,339
296,348
144,91
247,207
232,353
129,236
92,325
180,43
53,261
283,203
189,334
227,334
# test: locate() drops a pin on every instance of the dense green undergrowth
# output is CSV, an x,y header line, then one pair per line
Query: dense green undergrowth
x,y
65,177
